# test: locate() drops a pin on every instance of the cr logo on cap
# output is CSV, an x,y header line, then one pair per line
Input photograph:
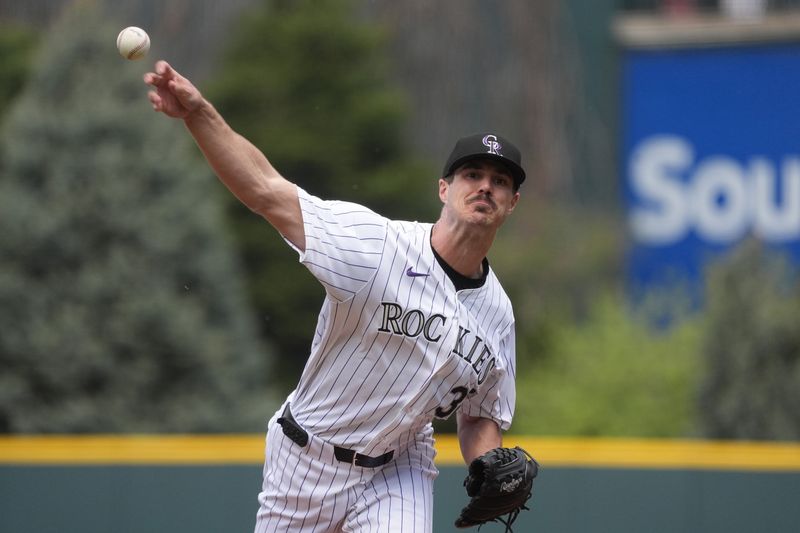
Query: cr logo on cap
x,y
490,141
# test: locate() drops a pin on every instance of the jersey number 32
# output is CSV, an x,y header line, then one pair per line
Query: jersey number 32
x,y
459,394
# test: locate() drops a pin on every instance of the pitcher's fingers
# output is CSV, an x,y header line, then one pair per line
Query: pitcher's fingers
x,y
180,87
156,80
164,69
151,79
155,100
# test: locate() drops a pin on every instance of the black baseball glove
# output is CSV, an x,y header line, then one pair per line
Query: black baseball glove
x,y
499,484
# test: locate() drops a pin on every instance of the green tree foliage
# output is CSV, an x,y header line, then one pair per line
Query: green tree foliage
x,y
611,374
120,303
555,259
306,81
751,386
17,44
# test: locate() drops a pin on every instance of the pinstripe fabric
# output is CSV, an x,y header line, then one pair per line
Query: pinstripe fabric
x,y
395,346
304,489
400,496
308,490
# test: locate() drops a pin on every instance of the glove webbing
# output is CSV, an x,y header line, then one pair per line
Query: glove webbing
x,y
509,519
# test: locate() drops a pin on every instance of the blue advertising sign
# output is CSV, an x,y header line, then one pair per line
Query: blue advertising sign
x,y
711,155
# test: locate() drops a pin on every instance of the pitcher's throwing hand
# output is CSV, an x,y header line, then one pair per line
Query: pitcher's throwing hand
x,y
173,94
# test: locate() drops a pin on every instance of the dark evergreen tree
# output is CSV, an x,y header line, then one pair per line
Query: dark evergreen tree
x,y
121,304
751,387
307,82
17,45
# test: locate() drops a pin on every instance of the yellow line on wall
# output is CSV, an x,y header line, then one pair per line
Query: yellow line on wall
x,y
664,454
550,452
132,449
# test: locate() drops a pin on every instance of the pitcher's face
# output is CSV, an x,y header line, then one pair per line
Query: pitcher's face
x,y
481,192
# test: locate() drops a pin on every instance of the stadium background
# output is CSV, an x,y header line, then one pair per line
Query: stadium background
x,y
138,304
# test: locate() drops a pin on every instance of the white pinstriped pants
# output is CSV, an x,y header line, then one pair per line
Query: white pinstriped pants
x,y
308,489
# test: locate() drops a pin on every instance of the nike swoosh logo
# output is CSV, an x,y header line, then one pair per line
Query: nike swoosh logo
x,y
410,273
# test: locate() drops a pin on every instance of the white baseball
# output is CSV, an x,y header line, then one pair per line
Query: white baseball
x,y
133,43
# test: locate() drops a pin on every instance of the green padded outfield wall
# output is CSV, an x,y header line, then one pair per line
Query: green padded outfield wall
x,y
128,499
75,485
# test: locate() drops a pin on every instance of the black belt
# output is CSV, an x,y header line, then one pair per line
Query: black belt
x,y
299,436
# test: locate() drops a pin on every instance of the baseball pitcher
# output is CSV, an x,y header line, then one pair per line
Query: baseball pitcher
x,y
414,326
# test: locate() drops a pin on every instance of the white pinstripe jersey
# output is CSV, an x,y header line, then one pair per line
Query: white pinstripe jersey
x,y
395,344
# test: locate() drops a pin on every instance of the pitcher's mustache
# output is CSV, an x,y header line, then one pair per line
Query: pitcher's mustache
x,y
482,197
